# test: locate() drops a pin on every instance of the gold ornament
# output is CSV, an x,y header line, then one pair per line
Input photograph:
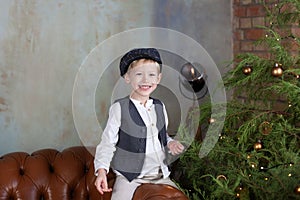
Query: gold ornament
x,y
258,145
277,70
265,128
247,69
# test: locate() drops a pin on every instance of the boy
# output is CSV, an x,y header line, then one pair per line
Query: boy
x,y
134,140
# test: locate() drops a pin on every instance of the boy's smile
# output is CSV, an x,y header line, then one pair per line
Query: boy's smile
x,y
145,87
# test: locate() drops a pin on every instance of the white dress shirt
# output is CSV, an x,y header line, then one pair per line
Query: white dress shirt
x,y
154,152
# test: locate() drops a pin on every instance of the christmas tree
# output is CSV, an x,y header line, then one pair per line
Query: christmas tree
x,y
257,154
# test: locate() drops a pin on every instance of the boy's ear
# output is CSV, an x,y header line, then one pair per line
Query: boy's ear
x,y
159,78
126,77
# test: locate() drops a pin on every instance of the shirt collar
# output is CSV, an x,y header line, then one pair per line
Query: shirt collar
x,y
149,102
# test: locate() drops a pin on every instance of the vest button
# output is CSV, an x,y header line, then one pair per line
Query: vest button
x,y
152,124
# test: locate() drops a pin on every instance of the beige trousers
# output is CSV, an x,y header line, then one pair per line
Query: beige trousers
x,y
124,190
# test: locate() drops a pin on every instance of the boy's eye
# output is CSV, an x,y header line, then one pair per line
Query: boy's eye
x,y
153,74
138,74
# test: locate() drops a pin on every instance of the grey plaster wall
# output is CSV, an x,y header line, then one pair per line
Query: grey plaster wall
x,y
43,43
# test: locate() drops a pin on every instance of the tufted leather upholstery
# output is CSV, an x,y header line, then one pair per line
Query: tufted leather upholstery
x,y
48,174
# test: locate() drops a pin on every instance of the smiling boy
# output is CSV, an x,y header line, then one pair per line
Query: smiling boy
x,y
135,140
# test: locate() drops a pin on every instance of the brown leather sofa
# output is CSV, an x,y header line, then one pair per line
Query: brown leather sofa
x,y
48,174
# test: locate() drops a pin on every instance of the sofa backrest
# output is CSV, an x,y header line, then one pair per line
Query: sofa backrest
x,y
48,174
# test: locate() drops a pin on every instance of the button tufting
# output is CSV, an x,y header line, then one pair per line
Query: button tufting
x,y
21,171
50,174
86,169
51,168
42,197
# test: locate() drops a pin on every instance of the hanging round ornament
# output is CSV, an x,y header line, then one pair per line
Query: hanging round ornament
x,y
277,70
265,128
247,69
258,145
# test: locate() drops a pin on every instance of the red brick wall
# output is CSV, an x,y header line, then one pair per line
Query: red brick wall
x,y
247,16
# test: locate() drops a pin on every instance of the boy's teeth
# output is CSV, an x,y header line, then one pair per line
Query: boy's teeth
x,y
145,86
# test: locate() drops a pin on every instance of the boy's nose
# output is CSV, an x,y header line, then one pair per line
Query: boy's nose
x,y
145,78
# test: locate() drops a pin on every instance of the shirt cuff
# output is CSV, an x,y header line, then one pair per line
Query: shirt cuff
x,y
101,167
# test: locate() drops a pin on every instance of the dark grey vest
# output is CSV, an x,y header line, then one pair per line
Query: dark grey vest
x,y
129,156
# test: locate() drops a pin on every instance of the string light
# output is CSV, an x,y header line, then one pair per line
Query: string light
x,y
297,190
211,120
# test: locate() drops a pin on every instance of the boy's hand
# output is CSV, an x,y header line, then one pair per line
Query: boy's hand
x,y
175,147
101,182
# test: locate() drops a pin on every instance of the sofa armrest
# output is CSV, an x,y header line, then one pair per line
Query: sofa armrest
x,y
150,191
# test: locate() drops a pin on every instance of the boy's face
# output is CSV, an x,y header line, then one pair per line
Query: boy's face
x,y
143,75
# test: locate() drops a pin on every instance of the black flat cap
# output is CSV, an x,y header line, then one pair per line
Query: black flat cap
x,y
136,54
